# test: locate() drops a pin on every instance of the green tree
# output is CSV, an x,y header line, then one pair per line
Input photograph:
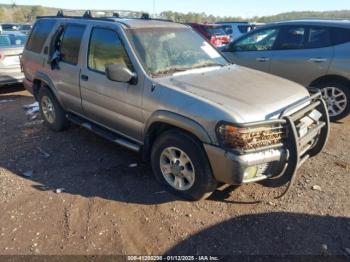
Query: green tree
x,y
2,15
36,11
19,16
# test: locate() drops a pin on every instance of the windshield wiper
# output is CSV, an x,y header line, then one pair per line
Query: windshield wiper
x,y
171,70
208,65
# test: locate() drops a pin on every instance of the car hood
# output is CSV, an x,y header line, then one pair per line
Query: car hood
x,y
246,94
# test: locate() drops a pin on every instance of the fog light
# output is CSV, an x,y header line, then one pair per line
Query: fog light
x,y
250,172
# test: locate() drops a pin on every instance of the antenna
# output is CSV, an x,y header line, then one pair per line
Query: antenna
x,y
154,8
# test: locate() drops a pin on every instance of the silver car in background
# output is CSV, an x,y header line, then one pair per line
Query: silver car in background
x,y
314,53
11,47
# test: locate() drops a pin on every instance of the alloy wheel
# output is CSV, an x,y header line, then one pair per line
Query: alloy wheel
x,y
336,100
177,168
48,109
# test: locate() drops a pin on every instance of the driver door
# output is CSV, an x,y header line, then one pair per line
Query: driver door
x,y
115,105
254,50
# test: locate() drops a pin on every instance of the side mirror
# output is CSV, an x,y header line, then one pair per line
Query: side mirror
x,y
120,73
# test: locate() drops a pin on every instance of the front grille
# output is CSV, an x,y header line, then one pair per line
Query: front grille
x,y
254,138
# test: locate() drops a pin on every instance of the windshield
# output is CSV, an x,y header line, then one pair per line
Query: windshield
x,y
12,40
167,51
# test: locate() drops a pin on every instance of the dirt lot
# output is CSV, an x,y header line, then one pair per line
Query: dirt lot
x,y
108,207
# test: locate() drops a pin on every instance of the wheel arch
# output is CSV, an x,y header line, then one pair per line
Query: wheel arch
x,y
162,121
327,78
42,80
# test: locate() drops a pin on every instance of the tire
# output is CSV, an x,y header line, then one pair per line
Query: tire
x,y
58,121
341,89
197,166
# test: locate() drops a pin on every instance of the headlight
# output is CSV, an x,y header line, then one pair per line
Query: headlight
x,y
250,137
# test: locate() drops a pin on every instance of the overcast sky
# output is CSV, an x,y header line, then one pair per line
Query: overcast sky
x,y
244,8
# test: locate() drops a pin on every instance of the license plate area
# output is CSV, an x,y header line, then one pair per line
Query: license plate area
x,y
308,122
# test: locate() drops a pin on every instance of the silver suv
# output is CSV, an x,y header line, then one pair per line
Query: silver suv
x,y
314,53
161,89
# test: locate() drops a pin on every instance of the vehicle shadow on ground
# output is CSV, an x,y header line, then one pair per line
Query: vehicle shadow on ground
x,y
81,163
271,234
77,161
7,89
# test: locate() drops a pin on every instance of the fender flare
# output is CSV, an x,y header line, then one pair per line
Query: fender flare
x,y
45,79
178,121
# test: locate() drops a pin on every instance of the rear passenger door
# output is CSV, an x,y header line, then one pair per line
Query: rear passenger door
x,y
115,105
303,53
66,75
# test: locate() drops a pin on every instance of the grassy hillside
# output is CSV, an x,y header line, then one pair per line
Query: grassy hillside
x,y
341,14
21,13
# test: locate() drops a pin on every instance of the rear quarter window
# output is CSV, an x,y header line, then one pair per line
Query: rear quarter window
x,y
340,36
318,37
39,34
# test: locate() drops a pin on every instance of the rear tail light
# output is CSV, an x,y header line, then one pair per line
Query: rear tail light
x,y
2,56
226,39
215,41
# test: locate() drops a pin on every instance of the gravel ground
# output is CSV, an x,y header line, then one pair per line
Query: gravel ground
x,y
82,197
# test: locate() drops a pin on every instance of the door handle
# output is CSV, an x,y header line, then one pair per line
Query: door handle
x,y
318,60
263,59
84,78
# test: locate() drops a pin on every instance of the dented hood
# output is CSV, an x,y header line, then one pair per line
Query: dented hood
x,y
249,95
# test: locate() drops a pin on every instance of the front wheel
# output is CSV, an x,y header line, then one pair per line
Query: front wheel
x,y
337,97
180,164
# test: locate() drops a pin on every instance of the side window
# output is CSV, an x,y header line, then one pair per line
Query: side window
x,y
340,36
318,37
262,40
39,35
228,29
106,48
292,38
71,42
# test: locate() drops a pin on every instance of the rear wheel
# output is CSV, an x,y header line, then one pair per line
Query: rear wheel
x,y
337,97
180,164
51,111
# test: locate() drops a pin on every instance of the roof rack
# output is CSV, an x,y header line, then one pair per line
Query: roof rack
x,y
86,15
113,18
228,22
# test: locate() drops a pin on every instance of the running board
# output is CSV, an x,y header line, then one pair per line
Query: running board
x,y
105,133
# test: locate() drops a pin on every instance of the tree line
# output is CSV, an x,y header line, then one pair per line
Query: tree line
x,y
27,14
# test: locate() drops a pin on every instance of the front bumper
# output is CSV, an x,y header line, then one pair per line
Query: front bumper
x,y
279,162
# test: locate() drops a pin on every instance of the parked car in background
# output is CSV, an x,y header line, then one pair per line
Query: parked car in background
x,y
160,89
11,47
314,53
25,28
214,33
237,29
10,27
